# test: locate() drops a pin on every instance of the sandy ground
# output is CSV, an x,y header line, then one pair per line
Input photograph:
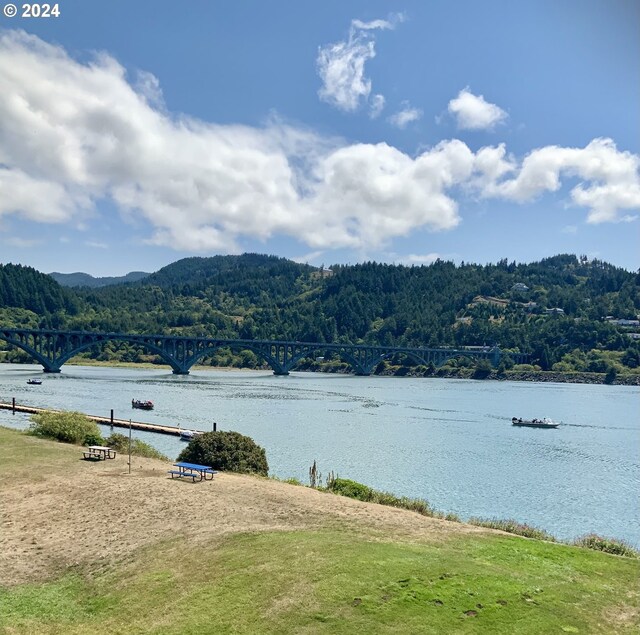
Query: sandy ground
x,y
80,512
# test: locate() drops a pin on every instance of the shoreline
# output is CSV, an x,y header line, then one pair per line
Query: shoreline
x,y
536,376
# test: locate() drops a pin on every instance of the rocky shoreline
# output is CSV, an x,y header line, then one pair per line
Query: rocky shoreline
x,y
509,375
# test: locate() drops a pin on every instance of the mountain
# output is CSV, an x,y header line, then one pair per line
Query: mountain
x,y
567,313
27,289
79,279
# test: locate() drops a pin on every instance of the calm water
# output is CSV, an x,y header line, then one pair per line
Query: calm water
x,y
449,441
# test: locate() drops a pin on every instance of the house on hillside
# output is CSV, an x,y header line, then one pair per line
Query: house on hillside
x,y
519,286
554,311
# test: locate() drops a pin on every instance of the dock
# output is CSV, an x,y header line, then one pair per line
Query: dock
x,y
107,421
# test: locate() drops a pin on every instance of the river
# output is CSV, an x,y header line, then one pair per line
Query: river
x,y
449,441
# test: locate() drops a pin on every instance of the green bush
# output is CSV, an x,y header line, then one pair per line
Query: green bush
x,y
68,427
608,545
352,489
93,439
513,527
120,443
227,451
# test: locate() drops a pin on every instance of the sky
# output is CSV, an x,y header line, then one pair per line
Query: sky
x,y
134,134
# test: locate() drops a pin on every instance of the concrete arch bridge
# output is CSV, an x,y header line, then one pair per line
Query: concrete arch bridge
x,y
53,349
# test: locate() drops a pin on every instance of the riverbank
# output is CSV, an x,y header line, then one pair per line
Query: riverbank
x,y
87,547
405,371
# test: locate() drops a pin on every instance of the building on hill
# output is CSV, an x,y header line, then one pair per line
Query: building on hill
x,y
519,286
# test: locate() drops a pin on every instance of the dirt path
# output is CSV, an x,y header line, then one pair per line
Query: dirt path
x,y
74,512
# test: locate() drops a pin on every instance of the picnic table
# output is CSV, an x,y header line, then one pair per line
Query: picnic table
x,y
99,452
192,471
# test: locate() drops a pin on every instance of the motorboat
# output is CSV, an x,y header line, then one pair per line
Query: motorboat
x,y
188,435
534,423
143,405
34,382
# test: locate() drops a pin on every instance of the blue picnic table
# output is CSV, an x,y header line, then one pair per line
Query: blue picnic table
x,y
192,471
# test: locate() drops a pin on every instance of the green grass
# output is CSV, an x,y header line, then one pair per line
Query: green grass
x,y
338,582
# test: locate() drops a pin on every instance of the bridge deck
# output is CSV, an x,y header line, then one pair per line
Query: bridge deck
x,y
120,423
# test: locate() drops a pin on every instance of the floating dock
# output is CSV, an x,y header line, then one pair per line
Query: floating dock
x,y
107,421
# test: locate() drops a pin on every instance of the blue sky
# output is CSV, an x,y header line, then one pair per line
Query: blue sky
x,y
133,134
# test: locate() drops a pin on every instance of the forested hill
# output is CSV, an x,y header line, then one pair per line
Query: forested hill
x,y
555,309
25,288
79,279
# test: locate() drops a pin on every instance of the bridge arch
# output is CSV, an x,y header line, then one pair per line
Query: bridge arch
x,y
41,359
277,368
63,359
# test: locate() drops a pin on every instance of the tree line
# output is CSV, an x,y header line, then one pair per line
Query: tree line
x,y
555,309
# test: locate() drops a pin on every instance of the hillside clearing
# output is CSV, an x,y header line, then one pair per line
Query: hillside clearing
x,y
86,547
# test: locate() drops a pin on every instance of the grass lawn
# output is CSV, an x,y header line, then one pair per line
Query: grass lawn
x,y
340,579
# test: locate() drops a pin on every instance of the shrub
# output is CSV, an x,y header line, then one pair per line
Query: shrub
x,y
93,439
227,451
482,370
120,443
353,489
513,527
608,545
68,427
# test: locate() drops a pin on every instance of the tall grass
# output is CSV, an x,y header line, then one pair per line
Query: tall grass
x,y
353,489
513,527
608,545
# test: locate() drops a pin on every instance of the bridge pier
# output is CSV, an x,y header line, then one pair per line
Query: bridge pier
x,y
177,371
51,370
280,372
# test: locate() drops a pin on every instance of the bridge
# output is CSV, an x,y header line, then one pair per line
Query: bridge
x,y
52,349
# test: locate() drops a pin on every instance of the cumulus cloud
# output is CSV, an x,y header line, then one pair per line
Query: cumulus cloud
x,y
73,134
609,180
341,66
405,116
472,112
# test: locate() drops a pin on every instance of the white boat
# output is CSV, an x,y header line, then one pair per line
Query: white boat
x,y
188,435
534,423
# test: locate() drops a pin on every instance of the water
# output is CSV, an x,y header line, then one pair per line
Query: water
x,y
448,441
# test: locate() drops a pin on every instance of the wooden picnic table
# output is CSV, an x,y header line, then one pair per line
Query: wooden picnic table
x,y
193,471
100,452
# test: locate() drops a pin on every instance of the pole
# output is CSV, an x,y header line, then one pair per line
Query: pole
x,y
13,404
215,425
111,419
129,446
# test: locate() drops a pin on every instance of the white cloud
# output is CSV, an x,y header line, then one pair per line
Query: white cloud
x,y
376,106
472,112
419,259
96,245
405,116
341,66
22,243
308,258
73,134
609,178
